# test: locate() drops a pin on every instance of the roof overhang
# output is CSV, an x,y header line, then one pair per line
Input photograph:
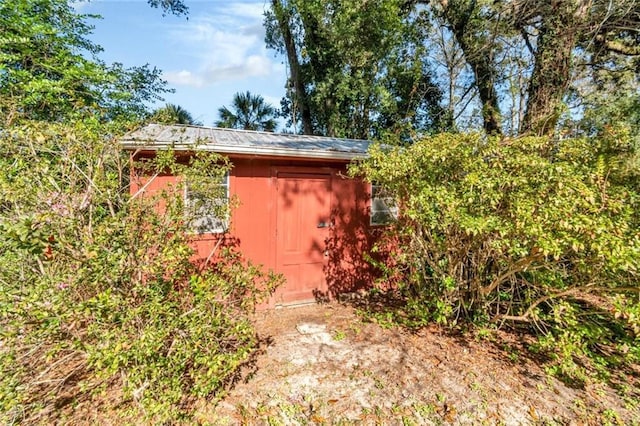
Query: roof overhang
x,y
243,143
244,150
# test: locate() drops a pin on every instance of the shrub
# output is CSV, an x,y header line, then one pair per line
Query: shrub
x,y
98,289
530,231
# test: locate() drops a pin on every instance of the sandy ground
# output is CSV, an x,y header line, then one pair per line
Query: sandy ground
x,y
323,364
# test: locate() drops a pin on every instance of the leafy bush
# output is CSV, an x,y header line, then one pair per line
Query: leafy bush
x,y
99,290
529,231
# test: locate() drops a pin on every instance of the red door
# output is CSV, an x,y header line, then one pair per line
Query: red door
x,y
303,224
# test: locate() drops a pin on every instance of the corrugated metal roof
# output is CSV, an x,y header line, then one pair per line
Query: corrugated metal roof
x,y
233,141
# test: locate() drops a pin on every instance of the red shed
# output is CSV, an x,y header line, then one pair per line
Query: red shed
x,y
299,213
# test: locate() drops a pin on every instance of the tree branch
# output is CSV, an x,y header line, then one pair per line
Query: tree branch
x,y
525,37
519,266
525,317
620,48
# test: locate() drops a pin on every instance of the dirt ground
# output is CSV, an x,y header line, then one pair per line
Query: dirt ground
x,y
324,364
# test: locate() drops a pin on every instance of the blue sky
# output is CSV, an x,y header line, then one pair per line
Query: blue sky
x,y
218,51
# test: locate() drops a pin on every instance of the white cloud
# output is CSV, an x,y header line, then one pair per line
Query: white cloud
x,y
254,31
252,66
184,77
78,5
227,45
250,10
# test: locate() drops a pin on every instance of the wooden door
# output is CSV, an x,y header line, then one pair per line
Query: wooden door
x,y
303,225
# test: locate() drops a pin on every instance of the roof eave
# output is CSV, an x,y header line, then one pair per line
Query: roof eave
x,y
247,150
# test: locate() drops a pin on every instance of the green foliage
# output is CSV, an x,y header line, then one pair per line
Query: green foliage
x,y
363,68
175,7
99,291
361,64
612,118
250,112
534,231
172,341
49,69
172,114
554,48
98,287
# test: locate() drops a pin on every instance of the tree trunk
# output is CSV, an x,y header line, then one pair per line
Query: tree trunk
x,y
551,75
301,98
321,69
478,52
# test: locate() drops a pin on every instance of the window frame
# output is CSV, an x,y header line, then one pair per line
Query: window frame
x,y
198,224
389,212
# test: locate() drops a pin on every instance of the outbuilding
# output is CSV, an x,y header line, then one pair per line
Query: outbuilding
x,y
299,212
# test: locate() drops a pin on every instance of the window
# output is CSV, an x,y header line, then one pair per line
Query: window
x,y
383,208
208,206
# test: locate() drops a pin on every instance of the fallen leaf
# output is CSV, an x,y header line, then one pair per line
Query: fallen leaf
x,y
533,413
318,419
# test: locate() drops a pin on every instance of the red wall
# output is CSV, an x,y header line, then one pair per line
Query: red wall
x,y
252,181
351,236
252,220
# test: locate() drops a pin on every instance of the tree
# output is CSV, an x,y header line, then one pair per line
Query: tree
x,y
457,88
98,287
250,112
173,114
280,34
356,68
523,57
175,7
555,33
478,46
49,69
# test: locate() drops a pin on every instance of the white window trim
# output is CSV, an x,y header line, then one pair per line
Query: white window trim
x,y
222,224
388,212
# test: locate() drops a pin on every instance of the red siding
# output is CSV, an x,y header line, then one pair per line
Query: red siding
x,y
351,237
253,221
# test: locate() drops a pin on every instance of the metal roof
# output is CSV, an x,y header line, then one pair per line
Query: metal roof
x,y
232,141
